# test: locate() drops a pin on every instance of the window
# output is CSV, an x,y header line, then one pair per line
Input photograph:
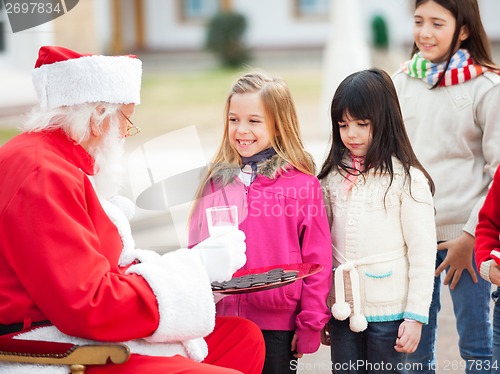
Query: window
x,y
198,10
311,8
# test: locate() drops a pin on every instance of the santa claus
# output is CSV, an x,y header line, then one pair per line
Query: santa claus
x,y
69,269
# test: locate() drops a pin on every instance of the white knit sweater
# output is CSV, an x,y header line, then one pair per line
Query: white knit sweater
x,y
455,132
362,227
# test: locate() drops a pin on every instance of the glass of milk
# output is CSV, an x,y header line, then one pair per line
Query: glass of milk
x,y
221,219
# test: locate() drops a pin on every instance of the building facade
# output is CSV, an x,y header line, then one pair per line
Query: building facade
x,y
121,26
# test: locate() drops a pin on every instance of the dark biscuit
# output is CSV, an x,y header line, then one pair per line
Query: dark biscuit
x,y
273,276
277,270
289,275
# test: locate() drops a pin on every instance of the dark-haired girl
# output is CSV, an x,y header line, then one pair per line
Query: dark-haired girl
x,y
380,208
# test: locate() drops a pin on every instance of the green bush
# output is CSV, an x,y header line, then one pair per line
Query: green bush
x,y
380,32
225,38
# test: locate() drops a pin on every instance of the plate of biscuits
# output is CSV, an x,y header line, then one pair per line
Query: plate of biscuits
x,y
265,278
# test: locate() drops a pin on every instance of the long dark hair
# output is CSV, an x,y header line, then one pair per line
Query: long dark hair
x,y
466,14
370,94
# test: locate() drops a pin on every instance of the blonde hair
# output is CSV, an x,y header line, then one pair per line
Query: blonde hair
x,y
281,117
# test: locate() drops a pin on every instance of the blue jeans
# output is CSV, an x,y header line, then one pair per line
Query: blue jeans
x,y
278,353
471,305
369,351
496,331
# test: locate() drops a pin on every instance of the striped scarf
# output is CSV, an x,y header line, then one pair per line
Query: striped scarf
x,y
461,69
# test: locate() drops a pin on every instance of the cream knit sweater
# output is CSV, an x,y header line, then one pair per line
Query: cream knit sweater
x,y
455,132
362,227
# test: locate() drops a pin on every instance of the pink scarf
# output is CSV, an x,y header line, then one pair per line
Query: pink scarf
x,y
357,163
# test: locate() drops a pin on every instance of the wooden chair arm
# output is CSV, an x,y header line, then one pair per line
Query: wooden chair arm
x,y
51,353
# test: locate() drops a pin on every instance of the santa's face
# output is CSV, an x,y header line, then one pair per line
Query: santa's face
x,y
121,120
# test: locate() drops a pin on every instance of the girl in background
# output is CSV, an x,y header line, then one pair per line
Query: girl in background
x,y
379,204
487,255
262,168
450,98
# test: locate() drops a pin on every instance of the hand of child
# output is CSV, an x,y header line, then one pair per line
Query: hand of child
x,y
458,259
325,335
408,336
494,273
294,347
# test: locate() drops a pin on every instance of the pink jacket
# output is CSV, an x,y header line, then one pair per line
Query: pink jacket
x,y
284,218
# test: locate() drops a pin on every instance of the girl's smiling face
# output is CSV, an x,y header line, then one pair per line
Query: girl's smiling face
x,y
433,31
248,128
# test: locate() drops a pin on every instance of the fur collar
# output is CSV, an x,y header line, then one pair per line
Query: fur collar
x,y
270,168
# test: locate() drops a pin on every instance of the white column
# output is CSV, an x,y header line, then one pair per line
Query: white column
x,y
346,51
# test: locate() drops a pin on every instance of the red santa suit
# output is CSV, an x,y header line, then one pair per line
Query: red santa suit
x,y
61,261
487,248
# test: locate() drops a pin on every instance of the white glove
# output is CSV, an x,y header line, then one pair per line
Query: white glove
x,y
223,254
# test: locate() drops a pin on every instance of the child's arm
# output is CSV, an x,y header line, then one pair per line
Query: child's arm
x,y
294,348
487,117
494,274
487,249
408,336
419,230
325,335
458,259
316,248
460,249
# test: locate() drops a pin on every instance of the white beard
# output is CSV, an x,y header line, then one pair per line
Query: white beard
x,y
108,156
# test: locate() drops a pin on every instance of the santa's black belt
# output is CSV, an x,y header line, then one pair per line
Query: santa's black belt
x,y
9,329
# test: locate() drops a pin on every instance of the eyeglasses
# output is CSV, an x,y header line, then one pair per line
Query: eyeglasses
x,y
131,128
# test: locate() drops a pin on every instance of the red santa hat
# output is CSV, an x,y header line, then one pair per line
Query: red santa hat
x,y
64,77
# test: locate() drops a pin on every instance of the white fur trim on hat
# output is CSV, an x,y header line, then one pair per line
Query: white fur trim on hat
x,y
89,79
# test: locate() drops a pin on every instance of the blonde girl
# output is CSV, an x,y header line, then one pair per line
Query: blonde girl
x,y
262,168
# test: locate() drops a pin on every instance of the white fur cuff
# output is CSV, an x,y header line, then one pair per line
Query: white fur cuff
x,y
182,289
